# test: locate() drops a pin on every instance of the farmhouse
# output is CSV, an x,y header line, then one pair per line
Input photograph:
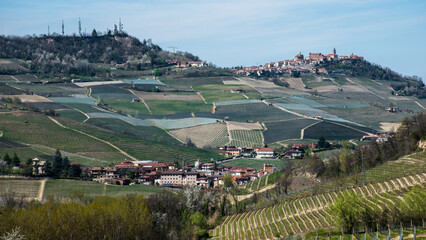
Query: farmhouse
x,y
233,151
238,90
264,152
39,166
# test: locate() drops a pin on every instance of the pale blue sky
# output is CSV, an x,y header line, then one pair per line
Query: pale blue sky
x,y
245,32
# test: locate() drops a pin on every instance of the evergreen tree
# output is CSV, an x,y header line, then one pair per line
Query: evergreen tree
x,y
74,171
28,169
15,160
7,159
57,164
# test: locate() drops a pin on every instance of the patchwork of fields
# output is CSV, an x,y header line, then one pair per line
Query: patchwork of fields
x,y
286,114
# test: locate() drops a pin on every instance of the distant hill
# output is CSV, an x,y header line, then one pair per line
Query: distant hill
x,y
402,85
62,55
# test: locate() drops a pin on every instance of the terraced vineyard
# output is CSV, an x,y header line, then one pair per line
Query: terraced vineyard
x,y
246,138
263,181
312,212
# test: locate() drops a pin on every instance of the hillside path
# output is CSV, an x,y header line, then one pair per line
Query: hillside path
x,y
302,132
420,105
96,138
41,189
143,101
242,197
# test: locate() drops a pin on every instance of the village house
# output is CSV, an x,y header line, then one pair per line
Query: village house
x,y
178,178
171,178
264,152
269,168
241,171
295,153
39,166
232,151
207,166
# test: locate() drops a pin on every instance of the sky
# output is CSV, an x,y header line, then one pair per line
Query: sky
x,y
391,33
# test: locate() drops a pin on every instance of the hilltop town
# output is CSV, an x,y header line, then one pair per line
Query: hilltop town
x,y
299,64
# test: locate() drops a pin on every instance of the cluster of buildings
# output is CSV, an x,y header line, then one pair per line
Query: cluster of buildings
x,y
298,64
379,137
257,152
208,175
183,64
390,109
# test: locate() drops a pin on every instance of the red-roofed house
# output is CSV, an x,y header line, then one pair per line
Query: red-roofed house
x,y
264,152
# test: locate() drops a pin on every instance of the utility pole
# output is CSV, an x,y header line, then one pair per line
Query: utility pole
x,y
63,30
362,163
79,26
48,30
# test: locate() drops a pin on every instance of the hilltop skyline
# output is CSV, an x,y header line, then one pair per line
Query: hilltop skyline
x,y
234,33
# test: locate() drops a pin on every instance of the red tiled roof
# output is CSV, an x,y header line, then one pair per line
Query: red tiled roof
x,y
266,149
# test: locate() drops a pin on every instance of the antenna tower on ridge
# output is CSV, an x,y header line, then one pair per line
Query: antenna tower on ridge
x,y
79,26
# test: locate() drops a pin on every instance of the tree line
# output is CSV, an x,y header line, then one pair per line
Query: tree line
x,y
50,56
350,161
186,214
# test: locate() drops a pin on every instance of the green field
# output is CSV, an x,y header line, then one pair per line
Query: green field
x,y
64,188
254,163
126,106
186,83
42,131
331,131
211,97
368,116
144,149
72,114
122,127
168,107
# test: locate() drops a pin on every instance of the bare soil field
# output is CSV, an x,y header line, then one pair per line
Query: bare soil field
x,y
28,98
353,88
166,96
399,98
99,83
330,88
243,126
296,83
233,82
387,126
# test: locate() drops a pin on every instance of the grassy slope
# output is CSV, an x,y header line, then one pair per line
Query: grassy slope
x,y
144,149
126,106
166,107
40,130
64,188
254,163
